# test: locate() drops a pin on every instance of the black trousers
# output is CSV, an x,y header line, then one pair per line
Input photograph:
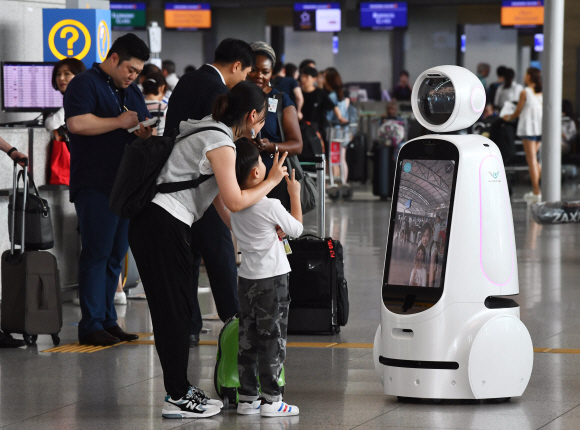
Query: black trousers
x,y
161,247
211,240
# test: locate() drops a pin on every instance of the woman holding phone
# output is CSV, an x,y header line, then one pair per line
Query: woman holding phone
x,y
161,234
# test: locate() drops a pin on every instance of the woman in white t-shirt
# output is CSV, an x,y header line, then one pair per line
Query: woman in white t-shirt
x,y
62,73
529,111
419,274
508,91
154,88
160,236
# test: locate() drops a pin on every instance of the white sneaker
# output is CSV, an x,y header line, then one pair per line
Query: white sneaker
x,y
278,409
249,408
532,198
77,301
189,406
120,298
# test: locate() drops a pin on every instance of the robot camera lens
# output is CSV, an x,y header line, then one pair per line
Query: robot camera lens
x,y
436,99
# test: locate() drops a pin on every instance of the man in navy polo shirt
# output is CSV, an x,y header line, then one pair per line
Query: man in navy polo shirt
x,y
100,105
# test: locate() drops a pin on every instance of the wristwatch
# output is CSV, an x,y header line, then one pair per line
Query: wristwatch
x,y
11,151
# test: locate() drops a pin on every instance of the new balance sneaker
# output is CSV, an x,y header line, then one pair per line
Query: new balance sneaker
x,y
189,406
278,409
249,408
201,394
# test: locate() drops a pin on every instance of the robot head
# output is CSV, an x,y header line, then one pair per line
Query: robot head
x,y
447,98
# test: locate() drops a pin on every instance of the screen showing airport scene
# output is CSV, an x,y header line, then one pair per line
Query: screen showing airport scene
x,y
383,16
422,211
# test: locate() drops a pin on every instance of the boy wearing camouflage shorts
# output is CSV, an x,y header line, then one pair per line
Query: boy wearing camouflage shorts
x,y
263,288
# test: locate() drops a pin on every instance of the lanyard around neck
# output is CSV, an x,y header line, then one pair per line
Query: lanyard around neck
x,y
107,78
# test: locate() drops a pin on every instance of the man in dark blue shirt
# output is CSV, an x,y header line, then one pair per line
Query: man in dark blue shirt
x,y
100,105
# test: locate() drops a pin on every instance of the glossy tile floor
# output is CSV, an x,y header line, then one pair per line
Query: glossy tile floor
x,y
335,388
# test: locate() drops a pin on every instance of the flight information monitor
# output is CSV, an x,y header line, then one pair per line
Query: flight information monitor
x,y
323,17
128,16
187,16
383,16
27,87
522,13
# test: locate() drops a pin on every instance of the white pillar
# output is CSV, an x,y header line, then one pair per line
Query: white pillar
x,y
552,118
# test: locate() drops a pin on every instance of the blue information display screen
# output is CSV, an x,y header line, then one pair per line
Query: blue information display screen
x,y
324,17
383,16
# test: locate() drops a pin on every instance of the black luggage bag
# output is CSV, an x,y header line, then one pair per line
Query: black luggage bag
x,y
318,289
39,235
356,158
30,284
383,171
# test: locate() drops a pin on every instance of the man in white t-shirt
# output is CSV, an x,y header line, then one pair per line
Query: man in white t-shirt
x,y
168,70
263,287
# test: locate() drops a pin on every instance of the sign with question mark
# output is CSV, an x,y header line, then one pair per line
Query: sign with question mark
x,y
77,33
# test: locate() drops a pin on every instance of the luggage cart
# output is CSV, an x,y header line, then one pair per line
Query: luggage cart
x,y
338,138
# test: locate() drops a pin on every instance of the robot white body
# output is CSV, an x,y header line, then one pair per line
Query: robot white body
x,y
470,344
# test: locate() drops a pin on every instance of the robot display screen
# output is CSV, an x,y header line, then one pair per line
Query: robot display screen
x,y
421,221
436,99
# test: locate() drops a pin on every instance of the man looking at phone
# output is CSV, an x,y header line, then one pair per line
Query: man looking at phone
x,y
101,104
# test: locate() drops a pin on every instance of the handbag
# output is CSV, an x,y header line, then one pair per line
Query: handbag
x,y
38,223
59,164
308,190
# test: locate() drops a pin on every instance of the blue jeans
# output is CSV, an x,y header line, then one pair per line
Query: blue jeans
x,y
212,240
104,245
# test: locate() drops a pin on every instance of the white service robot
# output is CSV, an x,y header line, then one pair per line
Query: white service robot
x,y
446,331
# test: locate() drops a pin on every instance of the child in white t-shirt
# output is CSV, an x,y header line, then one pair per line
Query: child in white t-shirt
x,y
263,287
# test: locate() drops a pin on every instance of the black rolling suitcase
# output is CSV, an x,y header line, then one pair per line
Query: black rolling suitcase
x,y
30,284
318,289
356,158
383,171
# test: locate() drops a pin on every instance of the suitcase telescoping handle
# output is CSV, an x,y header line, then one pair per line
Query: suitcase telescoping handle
x,y
14,191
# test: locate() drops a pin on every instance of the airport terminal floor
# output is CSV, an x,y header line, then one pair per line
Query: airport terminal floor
x,y
331,378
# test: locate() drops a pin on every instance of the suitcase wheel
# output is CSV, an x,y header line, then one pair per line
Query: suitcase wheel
x,y
334,193
335,329
229,396
55,339
29,339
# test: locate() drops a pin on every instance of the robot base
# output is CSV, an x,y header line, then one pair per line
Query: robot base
x,y
489,357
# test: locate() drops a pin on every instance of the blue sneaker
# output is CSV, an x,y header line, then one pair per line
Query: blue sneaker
x,y
189,406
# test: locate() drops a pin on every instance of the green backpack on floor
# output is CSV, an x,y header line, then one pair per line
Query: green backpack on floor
x,y
226,379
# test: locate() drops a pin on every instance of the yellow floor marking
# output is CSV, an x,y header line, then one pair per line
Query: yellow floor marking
x,y
310,344
354,345
76,348
564,351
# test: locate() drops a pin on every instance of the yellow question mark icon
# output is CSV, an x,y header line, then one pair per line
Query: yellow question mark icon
x,y
70,42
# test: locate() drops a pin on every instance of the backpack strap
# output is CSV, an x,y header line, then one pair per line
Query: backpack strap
x,y
280,114
173,187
